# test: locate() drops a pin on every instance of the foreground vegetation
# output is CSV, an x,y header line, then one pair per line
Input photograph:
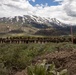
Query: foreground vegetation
x,y
15,57
45,69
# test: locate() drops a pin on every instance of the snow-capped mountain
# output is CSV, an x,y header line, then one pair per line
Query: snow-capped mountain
x,y
33,25
32,19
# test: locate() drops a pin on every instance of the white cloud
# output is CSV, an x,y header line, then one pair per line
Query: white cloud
x,y
58,0
14,7
65,12
33,0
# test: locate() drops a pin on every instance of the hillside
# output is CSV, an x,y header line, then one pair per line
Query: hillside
x,y
33,25
14,58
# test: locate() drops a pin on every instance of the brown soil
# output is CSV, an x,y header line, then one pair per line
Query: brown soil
x,y
65,59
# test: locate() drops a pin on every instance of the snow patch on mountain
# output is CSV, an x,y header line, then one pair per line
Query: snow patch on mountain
x,y
36,19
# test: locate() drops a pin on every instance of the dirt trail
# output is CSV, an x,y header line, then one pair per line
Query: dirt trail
x,y
65,59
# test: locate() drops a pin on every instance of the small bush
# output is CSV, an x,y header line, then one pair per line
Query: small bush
x,y
43,69
3,70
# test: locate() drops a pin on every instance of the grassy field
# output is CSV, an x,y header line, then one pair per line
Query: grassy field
x,y
19,56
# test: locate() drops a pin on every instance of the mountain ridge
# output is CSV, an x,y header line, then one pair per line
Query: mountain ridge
x,y
31,18
32,24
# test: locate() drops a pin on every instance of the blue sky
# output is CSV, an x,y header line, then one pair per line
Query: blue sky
x,y
49,2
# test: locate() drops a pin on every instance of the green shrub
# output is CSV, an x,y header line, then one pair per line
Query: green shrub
x,y
43,69
21,55
3,70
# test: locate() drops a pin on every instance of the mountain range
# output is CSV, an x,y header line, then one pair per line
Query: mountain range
x,y
33,25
